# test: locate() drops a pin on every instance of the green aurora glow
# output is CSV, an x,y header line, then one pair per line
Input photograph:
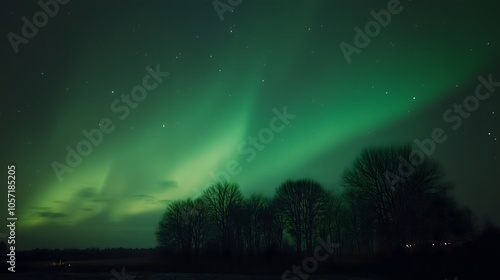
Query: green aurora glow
x,y
279,53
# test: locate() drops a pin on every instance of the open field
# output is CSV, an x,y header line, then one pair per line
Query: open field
x,y
164,276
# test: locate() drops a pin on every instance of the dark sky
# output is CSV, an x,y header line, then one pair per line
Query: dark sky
x,y
220,108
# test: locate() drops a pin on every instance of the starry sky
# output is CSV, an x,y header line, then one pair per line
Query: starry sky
x,y
225,81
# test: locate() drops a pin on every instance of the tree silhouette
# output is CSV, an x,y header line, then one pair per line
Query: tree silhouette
x,y
443,219
221,200
334,220
272,225
183,225
395,186
360,224
252,224
391,198
303,203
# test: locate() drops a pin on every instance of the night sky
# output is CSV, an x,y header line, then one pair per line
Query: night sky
x,y
229,80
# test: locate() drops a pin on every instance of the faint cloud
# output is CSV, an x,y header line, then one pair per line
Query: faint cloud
x,y
142,196
87,192
167,184
100,200
60,202
52,215
40,208
147,198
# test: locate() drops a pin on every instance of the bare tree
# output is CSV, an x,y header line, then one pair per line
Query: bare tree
x,y
360,225
443,219
302,202
221,200
394,185
253,206
183,225
272,225
333,220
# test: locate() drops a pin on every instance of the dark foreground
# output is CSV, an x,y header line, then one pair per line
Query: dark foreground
x,y
165,276
476,261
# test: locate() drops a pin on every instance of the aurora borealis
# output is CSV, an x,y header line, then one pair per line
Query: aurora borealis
x,y
226,81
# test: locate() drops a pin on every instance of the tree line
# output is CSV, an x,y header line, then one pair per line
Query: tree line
x,y
389,200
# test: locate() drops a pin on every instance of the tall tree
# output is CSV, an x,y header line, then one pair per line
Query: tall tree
x,y
395,184
183,226
272,225
333,221
302,202
253,206
220,200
